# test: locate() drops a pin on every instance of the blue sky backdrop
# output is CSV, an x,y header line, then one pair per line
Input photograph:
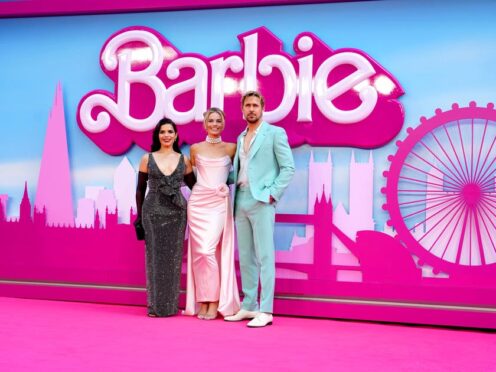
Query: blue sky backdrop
x,y
440,51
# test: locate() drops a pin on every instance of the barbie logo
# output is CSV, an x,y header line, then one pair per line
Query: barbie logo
x,y
319,95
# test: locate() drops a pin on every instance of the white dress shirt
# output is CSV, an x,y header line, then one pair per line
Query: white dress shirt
x,y
243,159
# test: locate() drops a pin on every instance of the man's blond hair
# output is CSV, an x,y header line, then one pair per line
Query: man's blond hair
x,y
253,93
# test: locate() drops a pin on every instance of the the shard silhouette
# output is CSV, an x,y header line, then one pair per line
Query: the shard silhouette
x,y
54,182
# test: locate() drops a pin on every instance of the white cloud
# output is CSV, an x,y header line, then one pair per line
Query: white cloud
x,y
100,175
15,173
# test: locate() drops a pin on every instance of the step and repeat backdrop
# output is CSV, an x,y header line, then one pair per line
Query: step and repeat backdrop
x,y
388,110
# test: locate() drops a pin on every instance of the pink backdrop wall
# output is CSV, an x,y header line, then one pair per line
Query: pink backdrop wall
x,y
433,262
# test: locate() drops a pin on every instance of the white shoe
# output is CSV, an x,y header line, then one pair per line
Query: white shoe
x,y
241,315
261,320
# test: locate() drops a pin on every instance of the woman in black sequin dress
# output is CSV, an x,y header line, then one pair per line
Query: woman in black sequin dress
x,y
163,215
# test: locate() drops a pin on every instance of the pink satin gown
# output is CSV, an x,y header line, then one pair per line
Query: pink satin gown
x,y
211,272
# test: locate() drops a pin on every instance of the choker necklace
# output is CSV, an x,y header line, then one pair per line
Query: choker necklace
x,y
213,140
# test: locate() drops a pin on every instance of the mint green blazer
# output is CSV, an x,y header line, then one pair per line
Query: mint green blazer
x,y
271,165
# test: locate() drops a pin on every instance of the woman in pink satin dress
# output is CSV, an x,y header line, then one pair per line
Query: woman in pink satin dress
x,y
211,284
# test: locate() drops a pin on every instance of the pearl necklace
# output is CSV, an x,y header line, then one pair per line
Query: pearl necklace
x,y
213,140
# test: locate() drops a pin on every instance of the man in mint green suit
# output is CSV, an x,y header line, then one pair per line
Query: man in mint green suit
x,y
263,168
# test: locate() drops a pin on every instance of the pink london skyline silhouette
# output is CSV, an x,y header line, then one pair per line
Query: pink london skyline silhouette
x,y
340,254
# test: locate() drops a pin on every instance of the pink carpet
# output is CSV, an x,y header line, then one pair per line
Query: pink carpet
x,y
38,335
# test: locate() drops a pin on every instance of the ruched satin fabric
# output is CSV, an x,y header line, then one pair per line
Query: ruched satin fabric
x,y
211,272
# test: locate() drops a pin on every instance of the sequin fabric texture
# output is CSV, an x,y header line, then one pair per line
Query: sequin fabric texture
x,y
164,220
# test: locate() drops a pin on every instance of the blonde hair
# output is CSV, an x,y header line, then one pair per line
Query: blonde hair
x,y
213,110
253,93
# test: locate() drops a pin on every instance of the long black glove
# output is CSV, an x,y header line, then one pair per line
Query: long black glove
x,y
140,197
190,179
140,192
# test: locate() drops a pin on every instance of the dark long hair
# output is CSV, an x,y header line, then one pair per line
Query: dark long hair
x,y
156,141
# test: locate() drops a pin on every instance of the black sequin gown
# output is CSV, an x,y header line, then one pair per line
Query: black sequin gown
x,y
164,220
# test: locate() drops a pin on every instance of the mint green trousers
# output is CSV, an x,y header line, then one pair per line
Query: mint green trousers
x,y
255,231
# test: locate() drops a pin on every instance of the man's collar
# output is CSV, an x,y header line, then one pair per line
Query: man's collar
x,y
256,130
